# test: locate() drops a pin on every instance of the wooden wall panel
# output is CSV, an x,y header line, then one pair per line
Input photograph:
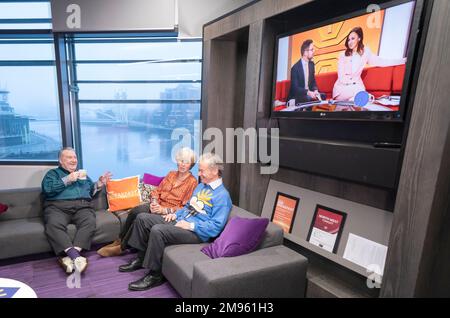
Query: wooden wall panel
x,y
423,193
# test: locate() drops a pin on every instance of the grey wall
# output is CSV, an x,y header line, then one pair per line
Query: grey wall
x,y
17,177
115,15
193,14
136,15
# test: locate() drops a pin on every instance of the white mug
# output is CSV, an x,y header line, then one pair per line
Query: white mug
x,y
82,174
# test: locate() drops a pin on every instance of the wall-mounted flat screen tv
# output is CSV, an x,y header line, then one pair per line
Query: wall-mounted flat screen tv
x,y
357,66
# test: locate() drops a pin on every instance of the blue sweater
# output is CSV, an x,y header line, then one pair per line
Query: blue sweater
x,y
214,215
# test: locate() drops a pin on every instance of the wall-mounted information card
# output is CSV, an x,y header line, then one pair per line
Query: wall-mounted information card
x,y
326,228
366,253
284,211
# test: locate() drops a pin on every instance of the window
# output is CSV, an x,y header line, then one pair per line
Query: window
x,y
30,128
130,93
30,15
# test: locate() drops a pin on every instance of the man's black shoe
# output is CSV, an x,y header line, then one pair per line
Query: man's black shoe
x,y
132,266
147,282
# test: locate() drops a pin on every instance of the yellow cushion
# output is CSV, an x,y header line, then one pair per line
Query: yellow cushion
x,y
123,193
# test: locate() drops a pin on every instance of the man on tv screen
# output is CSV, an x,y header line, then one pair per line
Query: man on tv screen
x,y
303,82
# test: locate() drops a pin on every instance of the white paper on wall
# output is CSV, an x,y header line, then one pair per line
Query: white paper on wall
x,y
366,253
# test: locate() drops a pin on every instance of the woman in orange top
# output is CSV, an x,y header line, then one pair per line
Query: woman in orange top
x,y
172,194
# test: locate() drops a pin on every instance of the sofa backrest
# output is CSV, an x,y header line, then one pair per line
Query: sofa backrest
x,y
22,203
273,235
379,81
100,202
28,203
398,75
325,83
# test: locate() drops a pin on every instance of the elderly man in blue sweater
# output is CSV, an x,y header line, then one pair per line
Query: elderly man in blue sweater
x,y
68,193
202,218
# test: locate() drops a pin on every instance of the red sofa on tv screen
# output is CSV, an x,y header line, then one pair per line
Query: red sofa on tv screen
x,y
379,81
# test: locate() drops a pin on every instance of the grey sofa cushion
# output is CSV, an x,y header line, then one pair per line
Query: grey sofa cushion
x,y
26,236
122,216
273,235
178,265
107,227
22,237
269,272
22,203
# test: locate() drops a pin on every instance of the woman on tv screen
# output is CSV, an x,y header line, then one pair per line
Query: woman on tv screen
x,y
351,64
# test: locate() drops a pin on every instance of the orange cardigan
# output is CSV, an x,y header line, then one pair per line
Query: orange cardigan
x,y
171,196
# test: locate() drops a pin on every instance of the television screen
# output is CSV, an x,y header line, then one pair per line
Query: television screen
x,y
353,66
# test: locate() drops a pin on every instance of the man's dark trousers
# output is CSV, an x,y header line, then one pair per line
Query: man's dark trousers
x,y
151,234
59,213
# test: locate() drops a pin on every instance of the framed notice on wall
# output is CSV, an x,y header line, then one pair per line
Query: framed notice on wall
x,y
284,211
326,228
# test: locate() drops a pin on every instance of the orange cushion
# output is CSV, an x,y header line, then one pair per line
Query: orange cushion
x,y
123,193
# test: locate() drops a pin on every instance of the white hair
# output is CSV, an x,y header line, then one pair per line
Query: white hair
x,y
186,154
64,149
213,161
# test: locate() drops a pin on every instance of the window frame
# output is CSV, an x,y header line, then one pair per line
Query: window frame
x,y
68,102
30,33
117,37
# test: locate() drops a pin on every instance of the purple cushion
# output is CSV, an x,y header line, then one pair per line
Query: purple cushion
x,y
151,179
240,236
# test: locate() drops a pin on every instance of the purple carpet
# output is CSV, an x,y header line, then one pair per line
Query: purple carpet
x,y
100,280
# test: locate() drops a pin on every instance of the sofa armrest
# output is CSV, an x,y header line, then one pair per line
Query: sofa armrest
x,y
100,200
270,272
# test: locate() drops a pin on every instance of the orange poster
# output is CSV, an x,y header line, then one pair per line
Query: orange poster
x,y
284,211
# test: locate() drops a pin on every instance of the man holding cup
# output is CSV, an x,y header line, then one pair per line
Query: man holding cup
x,y
68,193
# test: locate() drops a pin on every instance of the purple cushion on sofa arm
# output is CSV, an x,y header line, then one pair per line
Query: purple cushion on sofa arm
x,y
240,236
151,179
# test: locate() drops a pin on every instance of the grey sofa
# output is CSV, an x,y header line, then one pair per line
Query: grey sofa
x,y
22,229
273,270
